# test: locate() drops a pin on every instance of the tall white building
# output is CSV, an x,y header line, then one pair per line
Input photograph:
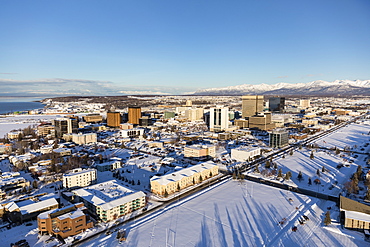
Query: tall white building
x,y
79,178
219,119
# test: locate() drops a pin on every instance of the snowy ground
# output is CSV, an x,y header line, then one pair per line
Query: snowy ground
x,y
16,122
235,214
332,180
348,136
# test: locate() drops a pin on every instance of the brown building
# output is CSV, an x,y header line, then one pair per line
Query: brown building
x,y
93,118
47,129
113,119
354,215
134,114
241,123
65,222
261,121
251,105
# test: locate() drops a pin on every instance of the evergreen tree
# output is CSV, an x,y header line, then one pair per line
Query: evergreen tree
x,y
256,169
327,220
309,181
200,178
311,155
299,177
34,184
359,171
318,172
280,173
194,179
268,164
337,151
165,193
300,147
323,169
275,166
367,197
288,175
291,152
178,186
138,182
210,174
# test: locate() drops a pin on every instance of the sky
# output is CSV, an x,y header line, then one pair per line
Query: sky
x,y
87,47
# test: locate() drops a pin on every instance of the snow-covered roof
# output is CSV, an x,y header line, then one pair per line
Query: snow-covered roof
x,y
38,206
186,172
108,195
357,216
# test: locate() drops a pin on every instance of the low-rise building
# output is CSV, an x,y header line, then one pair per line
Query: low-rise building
x,y
46,129
173,182
5,148
22,210
64,222
14,135
245,153
109,166
199,151
354,215
79,178
131,133
62,151
81,138
110,200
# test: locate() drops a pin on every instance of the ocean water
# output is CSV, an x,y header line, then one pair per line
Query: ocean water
x,y
13,104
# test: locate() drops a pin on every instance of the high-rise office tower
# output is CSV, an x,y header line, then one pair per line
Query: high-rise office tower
x,y
219,119
113,119
277,104
65,126
251,105
134,114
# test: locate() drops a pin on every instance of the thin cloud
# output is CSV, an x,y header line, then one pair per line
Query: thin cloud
x,y
283,76
4,73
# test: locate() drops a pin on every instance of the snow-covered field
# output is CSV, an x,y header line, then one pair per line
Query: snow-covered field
x,y
237,214
349,136
16,122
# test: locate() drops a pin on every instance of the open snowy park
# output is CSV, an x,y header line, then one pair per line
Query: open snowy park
x,y
238,214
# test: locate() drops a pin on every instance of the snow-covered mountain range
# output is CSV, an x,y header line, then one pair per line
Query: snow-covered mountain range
x,y
335,88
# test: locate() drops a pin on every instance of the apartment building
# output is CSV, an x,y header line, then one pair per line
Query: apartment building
x,y
110,200
81,138
46,129
199,151
64,222
14,135
79,178
173,182
194,114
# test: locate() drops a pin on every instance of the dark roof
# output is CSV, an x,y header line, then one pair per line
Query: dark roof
x,y
351,205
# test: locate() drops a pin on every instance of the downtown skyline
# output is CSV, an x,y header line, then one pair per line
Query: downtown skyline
x,y
166,47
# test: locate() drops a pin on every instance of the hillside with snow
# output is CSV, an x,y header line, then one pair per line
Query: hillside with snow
x,y
335,88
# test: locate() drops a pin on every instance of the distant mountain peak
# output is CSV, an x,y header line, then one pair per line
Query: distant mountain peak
x,y
319,87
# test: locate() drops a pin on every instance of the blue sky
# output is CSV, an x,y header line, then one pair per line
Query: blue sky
x,y
114,47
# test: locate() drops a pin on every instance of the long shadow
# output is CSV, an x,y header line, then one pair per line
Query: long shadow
x,y
219,226
205,237
236,242
251,228
240,229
